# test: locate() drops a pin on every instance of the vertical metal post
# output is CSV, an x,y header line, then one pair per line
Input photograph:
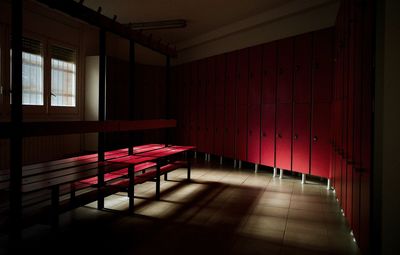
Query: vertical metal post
x,y
274,174
131,188
255,168
280,173
234,163
131,91
303,178
16,121
158,181
220,160
240,164
102,113
328,186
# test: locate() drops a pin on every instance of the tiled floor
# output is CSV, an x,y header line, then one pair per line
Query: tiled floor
x,y
222,211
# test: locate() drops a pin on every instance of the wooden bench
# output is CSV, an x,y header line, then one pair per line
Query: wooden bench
x,y
44,183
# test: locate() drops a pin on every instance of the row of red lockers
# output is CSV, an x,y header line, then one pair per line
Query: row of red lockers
x,y
352,112
269,104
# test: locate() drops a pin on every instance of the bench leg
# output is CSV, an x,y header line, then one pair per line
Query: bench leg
x,y
55,197
166,177
100,195
72,194
158,182
131,188
189,169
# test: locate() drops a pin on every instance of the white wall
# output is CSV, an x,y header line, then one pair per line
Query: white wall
x,y
296,17
387,136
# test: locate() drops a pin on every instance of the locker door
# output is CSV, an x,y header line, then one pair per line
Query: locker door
x,y
230,105
241,133
242,77
253,145
229,137
219,104
210,105
285,70
269,73
219,130
255,75
301,138
201,106
220,79
302,68
284,136
320,148
323,65
193,104
268,135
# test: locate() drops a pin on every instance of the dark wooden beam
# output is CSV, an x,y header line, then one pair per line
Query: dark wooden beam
x,y
16,122
102,91
92,17
30,129
167,97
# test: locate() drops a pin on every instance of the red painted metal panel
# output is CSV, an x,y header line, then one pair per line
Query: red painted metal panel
x,y
219,130
269,73
284,136
302,68
187,74
194,84
210,105
201,106
230,86
320,147
241,133
230,105
255,66
253,144
285,70
242,77
301,138
323,65
220,74
268,135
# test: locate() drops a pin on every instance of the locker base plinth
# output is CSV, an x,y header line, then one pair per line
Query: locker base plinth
x,y
303,178
280,173
274,173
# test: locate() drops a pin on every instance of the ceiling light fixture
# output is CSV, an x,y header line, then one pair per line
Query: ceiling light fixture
x,y
162,24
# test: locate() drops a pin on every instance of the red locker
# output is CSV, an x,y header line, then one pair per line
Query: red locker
x,y
241,133
285,70
220,74
219,130
210,105
230,105
301,138
253,139
320,147
269,73
323,65
284,136
268,135
201,106
302,68
242,77
194,83
255,66
187,74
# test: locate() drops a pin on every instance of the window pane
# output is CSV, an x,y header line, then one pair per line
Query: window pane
x,y
63,83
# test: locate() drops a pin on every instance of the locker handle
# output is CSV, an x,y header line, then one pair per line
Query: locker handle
x,y
315,139
264,134
295,137
297,67
279,135
250,132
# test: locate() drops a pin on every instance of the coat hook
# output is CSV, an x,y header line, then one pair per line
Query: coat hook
x,y
115,18
99,9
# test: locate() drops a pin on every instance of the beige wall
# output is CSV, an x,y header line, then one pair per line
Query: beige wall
x,y
294,18
387,122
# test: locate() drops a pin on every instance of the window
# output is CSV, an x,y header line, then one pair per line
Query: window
x,y
32,72
63,77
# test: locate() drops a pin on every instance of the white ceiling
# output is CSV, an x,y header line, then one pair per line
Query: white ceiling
x,y
202,15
